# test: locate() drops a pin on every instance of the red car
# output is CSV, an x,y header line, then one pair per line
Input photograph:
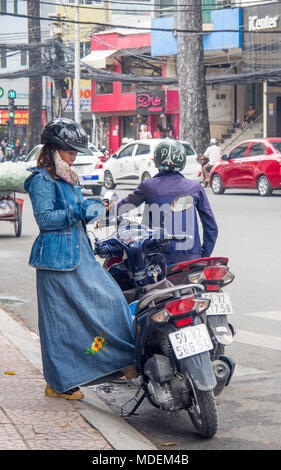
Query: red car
x,y
252,164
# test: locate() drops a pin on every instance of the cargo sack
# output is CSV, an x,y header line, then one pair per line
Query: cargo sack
x,y
12,177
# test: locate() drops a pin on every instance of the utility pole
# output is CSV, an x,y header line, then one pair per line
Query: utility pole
x,y
194,119
77,64
59,59
35,83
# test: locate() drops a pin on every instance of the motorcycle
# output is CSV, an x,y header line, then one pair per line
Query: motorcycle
x,y
213,273
173,364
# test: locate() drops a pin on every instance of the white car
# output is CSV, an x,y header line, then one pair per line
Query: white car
x,y
89,167
134,163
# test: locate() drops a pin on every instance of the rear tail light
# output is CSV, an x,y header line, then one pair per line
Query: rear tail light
x,y
212,276
102,158
98,165
181,307
214,273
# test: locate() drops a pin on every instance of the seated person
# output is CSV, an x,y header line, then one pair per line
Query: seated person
x,y
250,116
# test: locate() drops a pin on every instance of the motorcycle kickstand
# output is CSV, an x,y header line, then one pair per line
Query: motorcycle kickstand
x,y
138,403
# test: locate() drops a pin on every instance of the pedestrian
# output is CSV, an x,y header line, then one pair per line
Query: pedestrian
x,y
158,134
250,116
145,133
4,144
210,157
170,132
160,191
85,324
18,150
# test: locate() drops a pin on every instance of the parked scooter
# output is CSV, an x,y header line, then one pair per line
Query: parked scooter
x,y
213,273
173,362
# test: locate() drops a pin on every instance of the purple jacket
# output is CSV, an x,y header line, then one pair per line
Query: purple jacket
x,y
161,190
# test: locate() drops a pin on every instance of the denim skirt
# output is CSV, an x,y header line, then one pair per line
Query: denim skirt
x,y
85,324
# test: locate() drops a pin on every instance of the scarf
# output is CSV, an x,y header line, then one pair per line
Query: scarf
x,y
64,171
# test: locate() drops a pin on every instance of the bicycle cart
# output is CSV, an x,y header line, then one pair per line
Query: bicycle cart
x,y
11,211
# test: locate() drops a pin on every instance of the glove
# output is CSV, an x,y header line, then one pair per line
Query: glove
x,y
95,209
89,209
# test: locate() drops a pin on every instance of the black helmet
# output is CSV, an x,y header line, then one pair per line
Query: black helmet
x,y
65,134
170,154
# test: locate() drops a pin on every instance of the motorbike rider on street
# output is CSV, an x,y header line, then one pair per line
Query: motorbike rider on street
x,y
210,157
161,190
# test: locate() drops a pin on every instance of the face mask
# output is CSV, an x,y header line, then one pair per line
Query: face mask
x,y
64,171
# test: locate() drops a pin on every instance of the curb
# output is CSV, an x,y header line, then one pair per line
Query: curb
x,y
119,434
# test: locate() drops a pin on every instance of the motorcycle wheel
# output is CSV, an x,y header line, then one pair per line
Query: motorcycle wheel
x,y
203,413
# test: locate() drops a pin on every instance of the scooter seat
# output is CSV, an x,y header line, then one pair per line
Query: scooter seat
x,y
158,295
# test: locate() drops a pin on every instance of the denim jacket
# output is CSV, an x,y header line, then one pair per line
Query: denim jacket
x,y
59,210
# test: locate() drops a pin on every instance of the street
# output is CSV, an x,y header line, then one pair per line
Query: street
x,y
250,410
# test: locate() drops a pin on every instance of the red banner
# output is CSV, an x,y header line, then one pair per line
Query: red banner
x,y
21,116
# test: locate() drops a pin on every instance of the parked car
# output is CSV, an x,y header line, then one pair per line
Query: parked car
x,y
252,164
134,163
88,166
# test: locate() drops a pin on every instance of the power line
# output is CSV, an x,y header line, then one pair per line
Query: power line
x,y
172,7
142,28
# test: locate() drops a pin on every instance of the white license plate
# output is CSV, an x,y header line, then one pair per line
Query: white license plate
x,y
190,341
220,304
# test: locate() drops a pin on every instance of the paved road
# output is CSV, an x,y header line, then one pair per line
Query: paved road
x,y
249,234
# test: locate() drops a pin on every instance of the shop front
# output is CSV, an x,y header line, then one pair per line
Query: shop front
x,y
123,108
262,52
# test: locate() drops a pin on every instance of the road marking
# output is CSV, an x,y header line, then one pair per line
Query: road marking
x,y
256,339
274,315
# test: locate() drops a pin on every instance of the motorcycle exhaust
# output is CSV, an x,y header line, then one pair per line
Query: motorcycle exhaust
x,y
223,369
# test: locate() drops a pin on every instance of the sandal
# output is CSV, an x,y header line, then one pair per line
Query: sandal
x,y
68,395
120,380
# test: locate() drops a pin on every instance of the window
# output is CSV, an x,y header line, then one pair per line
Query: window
x,y
3,6
127,152
137,66
257,149
143,149
104,88
85,48
239,151
277,145
23,57
3,54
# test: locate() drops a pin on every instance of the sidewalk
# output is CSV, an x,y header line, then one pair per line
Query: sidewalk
x,y
31,421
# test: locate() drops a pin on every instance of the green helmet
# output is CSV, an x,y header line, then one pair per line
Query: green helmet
x,y
170,155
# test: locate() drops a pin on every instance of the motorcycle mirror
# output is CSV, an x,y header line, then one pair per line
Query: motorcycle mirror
x,y
181,203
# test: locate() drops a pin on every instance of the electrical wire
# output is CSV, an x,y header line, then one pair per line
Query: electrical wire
x,y
172,30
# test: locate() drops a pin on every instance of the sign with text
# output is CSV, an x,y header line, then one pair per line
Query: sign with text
x,y
21,116
151,102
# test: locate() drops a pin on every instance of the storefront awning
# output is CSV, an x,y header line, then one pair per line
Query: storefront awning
x,y
97,59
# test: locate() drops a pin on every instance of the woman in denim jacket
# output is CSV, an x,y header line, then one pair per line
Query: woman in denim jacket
x,y
85,324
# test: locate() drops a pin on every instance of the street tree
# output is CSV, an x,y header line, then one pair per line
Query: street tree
x,y
194,119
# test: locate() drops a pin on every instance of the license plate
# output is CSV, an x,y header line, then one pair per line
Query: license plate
x,y
220,304
190,341
90,177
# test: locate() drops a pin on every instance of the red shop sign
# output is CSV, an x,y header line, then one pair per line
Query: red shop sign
x,y
151,102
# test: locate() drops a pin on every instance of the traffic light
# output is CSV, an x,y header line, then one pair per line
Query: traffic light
x,y
11,108
11,100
